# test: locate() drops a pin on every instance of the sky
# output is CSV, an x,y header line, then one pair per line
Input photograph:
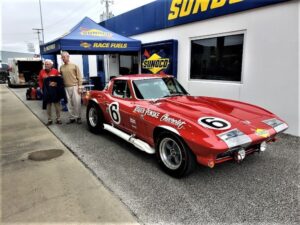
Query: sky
x,y
19,18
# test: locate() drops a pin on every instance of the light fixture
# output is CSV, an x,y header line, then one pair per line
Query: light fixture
x,y
263,146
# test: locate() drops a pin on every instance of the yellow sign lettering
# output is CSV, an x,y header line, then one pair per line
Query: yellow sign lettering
x,y
217,4
100,45
203,4
183,8
174,10
186,8
118,45
94,32
235,1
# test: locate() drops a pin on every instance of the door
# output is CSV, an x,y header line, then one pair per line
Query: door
x,y
120,105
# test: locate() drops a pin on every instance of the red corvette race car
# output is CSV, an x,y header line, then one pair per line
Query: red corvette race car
x,y
157,115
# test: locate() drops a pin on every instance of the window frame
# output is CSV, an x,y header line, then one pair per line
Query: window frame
x,y
232,33
132,55
127,88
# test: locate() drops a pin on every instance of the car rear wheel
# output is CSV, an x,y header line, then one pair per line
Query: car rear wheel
x,y
174,156
94,118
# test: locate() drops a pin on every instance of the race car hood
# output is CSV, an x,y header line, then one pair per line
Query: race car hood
x,y
240,115
215,106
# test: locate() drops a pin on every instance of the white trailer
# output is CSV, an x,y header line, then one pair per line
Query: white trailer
x,y
24,71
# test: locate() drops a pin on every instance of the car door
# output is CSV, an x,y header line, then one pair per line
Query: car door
x,y
120,104
142,116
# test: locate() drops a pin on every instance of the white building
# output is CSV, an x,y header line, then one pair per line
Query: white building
x,y
251,55
5,55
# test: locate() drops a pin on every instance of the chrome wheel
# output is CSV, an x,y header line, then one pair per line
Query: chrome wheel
x,y
93,117
170,153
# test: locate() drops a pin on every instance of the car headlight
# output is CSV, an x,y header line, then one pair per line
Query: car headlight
x,y
235,138
276,124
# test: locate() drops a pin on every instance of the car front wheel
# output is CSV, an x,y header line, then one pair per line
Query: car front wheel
x,y
94,118
174,156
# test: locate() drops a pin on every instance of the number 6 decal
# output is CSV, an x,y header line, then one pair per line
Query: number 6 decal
x,y
114,112
214,123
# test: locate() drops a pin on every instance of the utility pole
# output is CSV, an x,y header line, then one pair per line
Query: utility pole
x,y
38,31
104,16
42,26
107,14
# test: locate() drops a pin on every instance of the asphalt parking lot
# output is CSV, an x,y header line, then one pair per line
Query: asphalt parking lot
x,y
263,189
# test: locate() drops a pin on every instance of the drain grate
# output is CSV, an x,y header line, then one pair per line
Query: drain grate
x,y
45,154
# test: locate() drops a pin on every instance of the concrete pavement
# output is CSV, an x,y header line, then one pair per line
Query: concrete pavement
x,y
264,189
60,190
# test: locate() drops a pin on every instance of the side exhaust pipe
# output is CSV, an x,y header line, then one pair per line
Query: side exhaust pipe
x,y
136,142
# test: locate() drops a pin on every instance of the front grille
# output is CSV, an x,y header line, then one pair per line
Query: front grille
x,y
230,152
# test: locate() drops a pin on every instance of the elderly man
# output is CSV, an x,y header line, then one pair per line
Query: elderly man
x,y
72,81
46,72
50,90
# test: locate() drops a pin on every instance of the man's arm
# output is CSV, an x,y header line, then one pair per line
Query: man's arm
x,y
78,76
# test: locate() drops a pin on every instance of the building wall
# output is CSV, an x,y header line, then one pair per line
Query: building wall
x,y
92,66
113,66
5,55
270,73
298,68
76,59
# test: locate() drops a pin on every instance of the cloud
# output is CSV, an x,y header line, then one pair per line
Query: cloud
x,y
19,17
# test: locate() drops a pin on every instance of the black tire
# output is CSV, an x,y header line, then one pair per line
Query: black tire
x,y
94,118
174,156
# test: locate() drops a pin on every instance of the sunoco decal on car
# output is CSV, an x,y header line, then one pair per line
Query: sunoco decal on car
x,y
214,123
165,117
262,133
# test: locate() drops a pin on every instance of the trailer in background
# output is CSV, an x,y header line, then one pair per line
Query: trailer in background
x,y
24,71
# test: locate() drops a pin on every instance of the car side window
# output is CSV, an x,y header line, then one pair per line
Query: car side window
x,y
121,89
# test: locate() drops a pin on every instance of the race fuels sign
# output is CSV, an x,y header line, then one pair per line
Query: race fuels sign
x,y
101,45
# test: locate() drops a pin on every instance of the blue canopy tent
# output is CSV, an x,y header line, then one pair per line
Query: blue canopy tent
x,y
89,38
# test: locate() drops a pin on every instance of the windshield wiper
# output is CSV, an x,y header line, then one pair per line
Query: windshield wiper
x,y
172,95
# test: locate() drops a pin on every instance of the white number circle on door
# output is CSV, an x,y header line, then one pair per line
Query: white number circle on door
x,y
214,123
114,112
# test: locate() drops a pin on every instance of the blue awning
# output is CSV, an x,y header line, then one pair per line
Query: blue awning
x,y
88,37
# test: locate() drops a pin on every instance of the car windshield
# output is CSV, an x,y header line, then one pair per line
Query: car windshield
x,y
158,88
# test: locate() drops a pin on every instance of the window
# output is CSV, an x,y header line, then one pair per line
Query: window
x,y
218,58
121,89
129,64
157,88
